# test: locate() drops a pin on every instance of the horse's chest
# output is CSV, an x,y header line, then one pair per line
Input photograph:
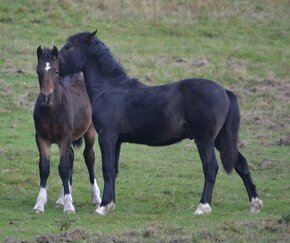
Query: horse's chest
x,y
53,132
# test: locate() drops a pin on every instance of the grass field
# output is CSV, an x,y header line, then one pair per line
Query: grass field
x,y
243,45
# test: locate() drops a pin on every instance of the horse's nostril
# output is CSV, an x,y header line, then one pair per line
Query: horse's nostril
x,y
49,97
46,99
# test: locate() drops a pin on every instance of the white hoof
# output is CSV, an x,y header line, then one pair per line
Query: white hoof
x,y
256,205
39,207
40,201
68,204
203,209
60,201
103,210
95,192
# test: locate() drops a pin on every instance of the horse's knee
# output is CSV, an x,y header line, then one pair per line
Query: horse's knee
x,y
64,170
44,169
89,156
108,175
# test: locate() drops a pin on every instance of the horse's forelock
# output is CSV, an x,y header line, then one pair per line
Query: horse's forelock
x,y
47,54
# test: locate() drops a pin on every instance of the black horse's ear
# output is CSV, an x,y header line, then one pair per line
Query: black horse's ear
x,y
55,52
39,52
92,35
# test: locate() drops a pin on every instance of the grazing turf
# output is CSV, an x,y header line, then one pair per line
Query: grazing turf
x,y
243,45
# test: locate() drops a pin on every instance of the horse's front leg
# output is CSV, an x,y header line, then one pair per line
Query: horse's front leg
x,y
65,172
60,201
44,168
107,142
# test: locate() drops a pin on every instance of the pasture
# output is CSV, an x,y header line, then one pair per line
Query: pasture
x,y
242,45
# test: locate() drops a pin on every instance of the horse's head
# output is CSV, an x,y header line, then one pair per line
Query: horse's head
x,y
47,71
74,54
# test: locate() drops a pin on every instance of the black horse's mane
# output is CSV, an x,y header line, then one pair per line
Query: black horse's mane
x,y
106,61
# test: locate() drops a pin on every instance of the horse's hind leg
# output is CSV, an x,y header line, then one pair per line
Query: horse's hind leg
x,y
242,169
60,201
44,167
89,156
210,169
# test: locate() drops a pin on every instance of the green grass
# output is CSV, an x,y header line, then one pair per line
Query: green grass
x,y
243,45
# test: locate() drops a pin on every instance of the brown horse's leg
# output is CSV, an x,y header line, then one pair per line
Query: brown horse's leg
x,y
89,156
44,168
65,171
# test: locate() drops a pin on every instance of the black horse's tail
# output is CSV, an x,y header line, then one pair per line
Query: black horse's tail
x,y
78,143
227,139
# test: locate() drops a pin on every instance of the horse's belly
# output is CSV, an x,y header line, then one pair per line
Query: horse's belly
x,y
156,134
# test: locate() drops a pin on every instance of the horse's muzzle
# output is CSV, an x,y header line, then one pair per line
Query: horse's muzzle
x,y
46,99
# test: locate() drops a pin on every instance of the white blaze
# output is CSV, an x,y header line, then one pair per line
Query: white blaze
x,y
47,66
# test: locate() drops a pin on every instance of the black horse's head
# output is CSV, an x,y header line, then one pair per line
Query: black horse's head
x,y
47,71
73,55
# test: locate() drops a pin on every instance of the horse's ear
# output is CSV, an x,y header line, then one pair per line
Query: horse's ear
x,y
55,52
39,52
92,35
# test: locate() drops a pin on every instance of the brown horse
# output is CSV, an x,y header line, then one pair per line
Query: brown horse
x,y
62,115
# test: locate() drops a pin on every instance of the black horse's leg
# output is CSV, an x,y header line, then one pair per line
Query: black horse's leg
x,y
118,149
65,171
107,142
89,156
44,168
210,169
242,169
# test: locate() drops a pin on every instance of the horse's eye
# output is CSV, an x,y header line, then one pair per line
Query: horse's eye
x,y
56,72
67,46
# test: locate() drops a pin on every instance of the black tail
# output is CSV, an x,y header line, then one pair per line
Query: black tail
x,y
227,139
78,143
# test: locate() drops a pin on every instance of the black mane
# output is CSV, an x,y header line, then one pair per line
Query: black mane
x,y
106,61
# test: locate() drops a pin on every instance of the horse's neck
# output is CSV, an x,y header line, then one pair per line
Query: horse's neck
x,y
97,81
57,99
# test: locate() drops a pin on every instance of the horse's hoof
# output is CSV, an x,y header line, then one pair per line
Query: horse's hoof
x,y
103,210
69,211
38,208
37,211
68,204
256,205
96,205
203,209
57,205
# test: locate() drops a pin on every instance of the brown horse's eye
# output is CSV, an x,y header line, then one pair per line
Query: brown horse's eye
x,y
56,72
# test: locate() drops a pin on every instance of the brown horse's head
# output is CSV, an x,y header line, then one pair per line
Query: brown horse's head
x,y
47,71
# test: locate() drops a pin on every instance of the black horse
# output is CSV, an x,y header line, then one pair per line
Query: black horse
x,y
125,110
62,115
